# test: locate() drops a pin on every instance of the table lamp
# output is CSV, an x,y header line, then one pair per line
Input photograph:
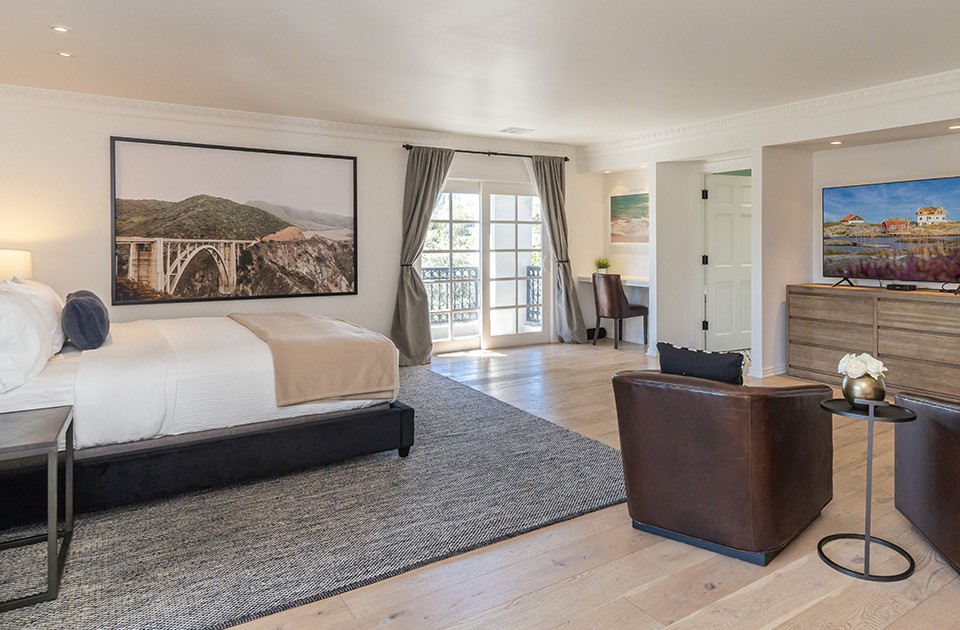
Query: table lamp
x,y
15,263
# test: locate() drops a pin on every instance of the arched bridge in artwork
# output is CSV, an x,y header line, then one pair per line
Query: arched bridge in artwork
x,y
160,262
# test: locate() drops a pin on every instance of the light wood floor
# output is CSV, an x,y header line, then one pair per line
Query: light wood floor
x,y
596,571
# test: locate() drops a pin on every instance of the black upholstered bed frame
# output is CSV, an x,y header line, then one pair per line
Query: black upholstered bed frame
x,y
121,474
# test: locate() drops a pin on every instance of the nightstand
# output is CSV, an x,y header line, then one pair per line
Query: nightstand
x,y
28,434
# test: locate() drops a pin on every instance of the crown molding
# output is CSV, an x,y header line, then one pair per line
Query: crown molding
x,y
78,101
911,89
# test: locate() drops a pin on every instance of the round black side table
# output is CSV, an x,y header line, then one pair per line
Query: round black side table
x,y
879,411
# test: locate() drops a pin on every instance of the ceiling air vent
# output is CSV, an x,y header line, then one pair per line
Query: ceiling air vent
x,y
516,130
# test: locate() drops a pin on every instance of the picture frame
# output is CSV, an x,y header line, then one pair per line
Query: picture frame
x,y
629,219
199,222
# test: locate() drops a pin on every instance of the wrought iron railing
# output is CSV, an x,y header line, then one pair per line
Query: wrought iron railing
x,y
462,294
534,294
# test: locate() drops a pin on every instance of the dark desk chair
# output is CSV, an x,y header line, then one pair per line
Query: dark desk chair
x,y
612,303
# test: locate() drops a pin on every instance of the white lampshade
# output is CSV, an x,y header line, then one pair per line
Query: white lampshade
x,y
15,263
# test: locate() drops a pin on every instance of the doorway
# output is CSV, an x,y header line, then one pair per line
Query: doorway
x,y
485,267
727,267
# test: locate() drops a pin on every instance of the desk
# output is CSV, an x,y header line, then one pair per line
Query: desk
x,y
627,281
881,412
38,432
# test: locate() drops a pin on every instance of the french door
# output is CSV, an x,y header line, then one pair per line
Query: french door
x,y
484,267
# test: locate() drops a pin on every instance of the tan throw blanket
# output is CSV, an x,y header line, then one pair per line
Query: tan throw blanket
x,y
322,358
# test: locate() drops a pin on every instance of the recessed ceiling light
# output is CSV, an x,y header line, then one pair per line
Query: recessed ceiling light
x,y
65,54
606,172
516,130
836,142
954,127
60,28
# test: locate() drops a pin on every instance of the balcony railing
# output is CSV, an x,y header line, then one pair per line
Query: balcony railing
x,y
461,294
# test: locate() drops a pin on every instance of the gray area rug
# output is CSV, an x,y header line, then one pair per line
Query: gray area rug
x,y
480,471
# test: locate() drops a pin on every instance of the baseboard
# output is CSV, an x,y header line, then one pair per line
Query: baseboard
x,y
757,372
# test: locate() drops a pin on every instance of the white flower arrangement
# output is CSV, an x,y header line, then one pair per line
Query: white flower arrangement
x,y
856,366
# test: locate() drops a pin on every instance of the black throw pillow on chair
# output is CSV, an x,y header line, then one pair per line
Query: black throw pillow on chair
x,y
726,367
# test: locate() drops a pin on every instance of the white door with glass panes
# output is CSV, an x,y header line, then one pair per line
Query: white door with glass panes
x,y
516,288
483,267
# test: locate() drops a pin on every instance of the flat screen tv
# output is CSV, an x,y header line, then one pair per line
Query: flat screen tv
x,y
903,231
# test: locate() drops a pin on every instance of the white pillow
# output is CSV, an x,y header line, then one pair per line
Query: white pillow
x,y
25,344
46,300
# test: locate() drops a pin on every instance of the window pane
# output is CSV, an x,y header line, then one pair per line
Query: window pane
x,y
528,236
442,210
466,236
439,326
528,263
537,209
503,208
438,295
530,291
503,293
467,260
438,236
503,265
530,319
525,208
503,235
503,322
466,324
432,261
466,206
466,295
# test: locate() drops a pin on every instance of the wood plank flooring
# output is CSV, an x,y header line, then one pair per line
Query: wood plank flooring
x,y
597,572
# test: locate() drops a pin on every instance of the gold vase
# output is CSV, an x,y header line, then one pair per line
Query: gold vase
x,y
864,387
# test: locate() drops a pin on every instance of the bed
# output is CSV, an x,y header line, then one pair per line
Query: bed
x,y
169,406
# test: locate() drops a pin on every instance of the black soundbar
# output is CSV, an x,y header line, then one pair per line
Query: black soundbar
x,y
901,287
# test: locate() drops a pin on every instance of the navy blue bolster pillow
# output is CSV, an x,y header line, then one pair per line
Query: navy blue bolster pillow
x,y
85,320
726,367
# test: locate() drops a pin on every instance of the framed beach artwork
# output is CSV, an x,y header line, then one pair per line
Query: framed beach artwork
x,y
630,218
196,222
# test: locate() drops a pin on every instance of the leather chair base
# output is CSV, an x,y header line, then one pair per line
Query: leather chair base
x,y
761,558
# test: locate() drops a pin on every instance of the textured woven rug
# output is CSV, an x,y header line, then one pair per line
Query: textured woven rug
x,y
479,472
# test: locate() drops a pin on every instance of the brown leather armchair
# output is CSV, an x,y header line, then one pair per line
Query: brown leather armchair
x,y
611,302
737,470
926,476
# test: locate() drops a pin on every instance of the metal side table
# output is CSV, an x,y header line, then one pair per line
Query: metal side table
x,y
38,432
881,412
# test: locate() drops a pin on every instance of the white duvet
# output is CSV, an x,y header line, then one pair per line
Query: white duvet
x,y
166,377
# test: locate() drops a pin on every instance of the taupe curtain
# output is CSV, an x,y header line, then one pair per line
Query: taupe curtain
x,y
551,185
427,168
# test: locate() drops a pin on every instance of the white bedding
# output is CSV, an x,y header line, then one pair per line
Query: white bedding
x,y
199,373
53,387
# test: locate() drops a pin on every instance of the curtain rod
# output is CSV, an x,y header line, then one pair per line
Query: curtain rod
x,y
488,153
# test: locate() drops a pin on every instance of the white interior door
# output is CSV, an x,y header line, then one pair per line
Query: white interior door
x,y
727,269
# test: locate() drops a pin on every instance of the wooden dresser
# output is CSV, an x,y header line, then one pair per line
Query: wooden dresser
x,y
915,333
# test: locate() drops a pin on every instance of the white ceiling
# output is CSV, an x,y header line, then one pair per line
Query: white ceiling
x,y
576,71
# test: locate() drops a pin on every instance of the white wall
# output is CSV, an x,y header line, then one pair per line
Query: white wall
x,y
784,256
677,292
892,161
55,193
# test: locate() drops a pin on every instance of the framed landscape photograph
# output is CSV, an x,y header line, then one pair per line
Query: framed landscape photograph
x,y
630,218
195,222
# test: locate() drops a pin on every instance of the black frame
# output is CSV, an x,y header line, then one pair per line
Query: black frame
x,y
114,140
